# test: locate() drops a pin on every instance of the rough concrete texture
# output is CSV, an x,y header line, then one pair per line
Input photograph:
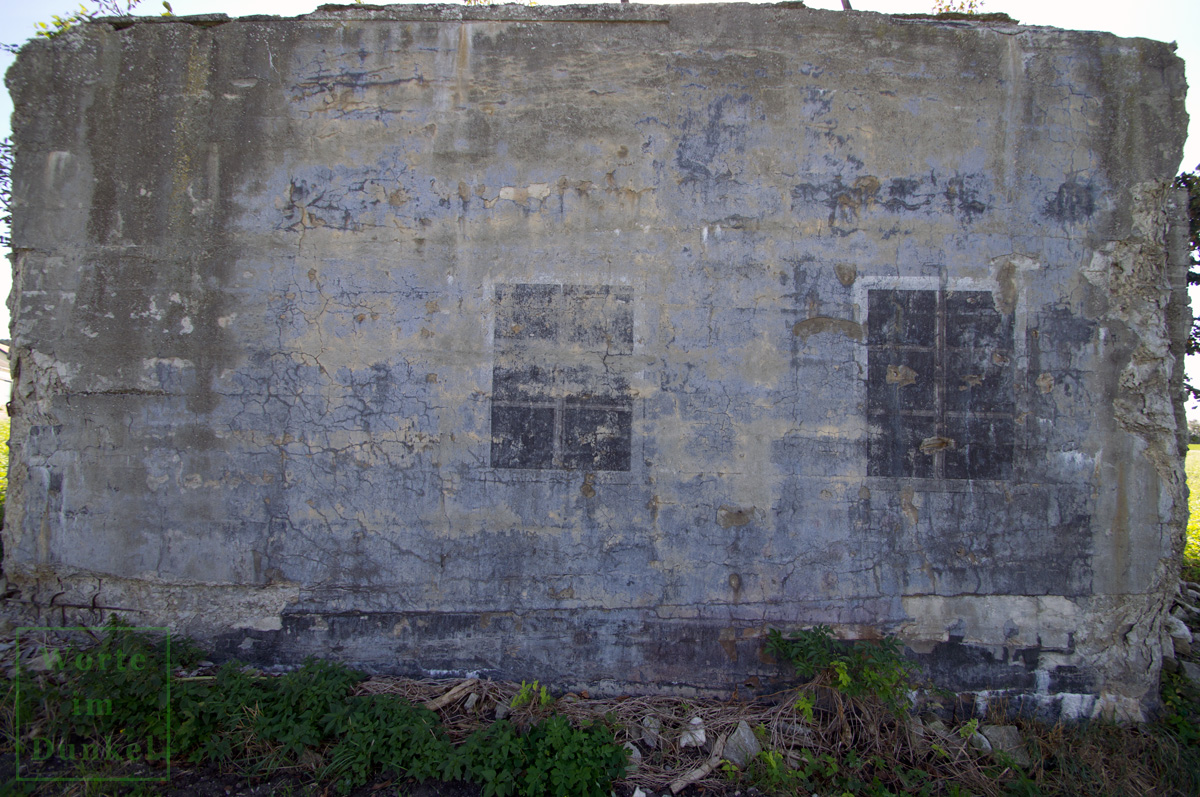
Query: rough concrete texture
x,y
587,343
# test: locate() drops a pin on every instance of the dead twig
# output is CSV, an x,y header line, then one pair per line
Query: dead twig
x,y
454,694
700,771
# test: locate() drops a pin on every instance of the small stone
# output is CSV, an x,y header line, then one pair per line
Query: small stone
x,y
651,731
1191,671
796,733
637,792
741,746
693,735
1006,739
502,711
1170,664
1182,647
938,728
472,699
635,759
979,742
1178,629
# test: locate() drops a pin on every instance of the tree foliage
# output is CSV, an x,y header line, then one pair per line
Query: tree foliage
x,y
1190,182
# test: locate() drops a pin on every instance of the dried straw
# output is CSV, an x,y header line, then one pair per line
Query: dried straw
x,y
839,725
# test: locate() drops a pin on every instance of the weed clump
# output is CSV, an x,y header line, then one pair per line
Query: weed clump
x,y
69,713
866,668
848,729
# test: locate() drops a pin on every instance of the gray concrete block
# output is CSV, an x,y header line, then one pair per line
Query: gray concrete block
x,y
587,343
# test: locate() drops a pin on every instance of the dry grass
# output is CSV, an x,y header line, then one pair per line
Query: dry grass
x,y
889,744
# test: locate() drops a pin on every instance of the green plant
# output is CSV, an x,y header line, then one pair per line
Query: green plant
x,y
871,667
492,757
102,8
1181,704
565,760
532,693
275,721
969,7
99,703
1191,551
208,713
379,733
552,758
308,719
804,705
770,773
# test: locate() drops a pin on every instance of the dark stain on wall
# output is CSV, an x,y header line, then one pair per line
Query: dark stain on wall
x,y
1072,202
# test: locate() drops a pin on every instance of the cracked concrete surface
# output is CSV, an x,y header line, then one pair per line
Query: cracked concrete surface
x,y
587,343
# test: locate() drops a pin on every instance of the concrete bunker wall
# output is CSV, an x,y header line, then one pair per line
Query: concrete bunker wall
x,y
588,343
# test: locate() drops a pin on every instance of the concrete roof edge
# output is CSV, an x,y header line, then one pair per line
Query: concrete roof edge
x,y
593,12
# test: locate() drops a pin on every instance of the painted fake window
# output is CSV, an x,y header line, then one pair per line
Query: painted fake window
x,y
558,397
940,399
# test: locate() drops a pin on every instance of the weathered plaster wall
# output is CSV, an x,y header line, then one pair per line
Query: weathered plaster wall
x,y
587,343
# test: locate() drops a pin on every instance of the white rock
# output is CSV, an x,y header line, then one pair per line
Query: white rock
x,y
1178,629
796,733
693,735
635,759
1191,671
980,742
741,746
938,728
651,731
1007,739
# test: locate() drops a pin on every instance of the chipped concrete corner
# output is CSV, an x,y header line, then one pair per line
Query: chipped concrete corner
x,y
588,343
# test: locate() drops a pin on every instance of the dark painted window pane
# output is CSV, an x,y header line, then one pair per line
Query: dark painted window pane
x,y
983,448
902,318
972,321
522,437
527,312
596,439
600,318
979,381
902,380
894,446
